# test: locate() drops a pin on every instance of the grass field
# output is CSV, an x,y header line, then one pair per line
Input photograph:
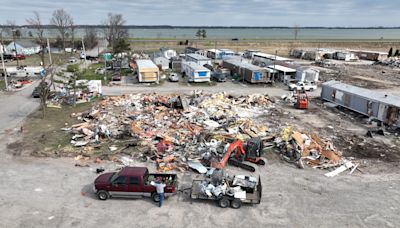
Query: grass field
x,y
270,46
45,135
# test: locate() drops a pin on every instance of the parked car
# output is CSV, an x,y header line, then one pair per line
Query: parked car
x,y
307,86
173,77
82,56
19,57
72,60
133,182
36,92
219,77
116,77
38,89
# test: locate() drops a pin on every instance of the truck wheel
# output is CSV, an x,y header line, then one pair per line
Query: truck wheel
x,y
223,202
155,197
103,195
236,203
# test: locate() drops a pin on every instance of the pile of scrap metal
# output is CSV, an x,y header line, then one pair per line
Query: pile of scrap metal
x,y
307,148
227,190
172,130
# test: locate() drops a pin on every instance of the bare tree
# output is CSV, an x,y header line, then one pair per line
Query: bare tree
x,y
37,25
90,38
72,28
12,30
62,20
114,29
44,89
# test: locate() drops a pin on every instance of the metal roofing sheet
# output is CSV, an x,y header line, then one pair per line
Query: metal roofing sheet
x,y
196,66
240,63
379,96
198,57
282,68
145,63
272,57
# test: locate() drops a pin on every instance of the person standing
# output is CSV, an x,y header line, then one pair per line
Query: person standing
x,y
160,190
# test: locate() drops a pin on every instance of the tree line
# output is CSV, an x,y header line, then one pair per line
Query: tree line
x,y
112,29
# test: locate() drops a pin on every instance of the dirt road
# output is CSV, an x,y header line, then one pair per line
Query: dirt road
x,y
54,193
16,106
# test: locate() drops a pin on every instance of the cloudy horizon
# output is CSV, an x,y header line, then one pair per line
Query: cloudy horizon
x,y
329,13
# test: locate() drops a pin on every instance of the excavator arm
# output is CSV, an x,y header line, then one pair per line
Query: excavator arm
x,y
237,147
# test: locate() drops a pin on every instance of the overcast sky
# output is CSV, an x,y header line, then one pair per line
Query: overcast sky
x,y
349,13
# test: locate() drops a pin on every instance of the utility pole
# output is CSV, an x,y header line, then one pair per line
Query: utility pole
x,y
215,49
48,48
276,53
15,46
84,51
2,61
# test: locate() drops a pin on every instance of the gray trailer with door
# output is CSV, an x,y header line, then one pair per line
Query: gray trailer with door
x,y
374,104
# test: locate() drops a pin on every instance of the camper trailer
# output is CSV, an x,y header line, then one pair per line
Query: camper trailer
x,y
195,72
147,71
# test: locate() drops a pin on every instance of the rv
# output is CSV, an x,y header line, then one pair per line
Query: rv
x,y
195,72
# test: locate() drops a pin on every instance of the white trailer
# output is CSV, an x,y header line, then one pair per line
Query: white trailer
x,y
195,72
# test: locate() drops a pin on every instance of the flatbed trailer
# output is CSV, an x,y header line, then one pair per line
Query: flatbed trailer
x,y
225,201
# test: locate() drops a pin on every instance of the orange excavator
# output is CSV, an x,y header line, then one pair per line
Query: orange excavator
x,y
236,154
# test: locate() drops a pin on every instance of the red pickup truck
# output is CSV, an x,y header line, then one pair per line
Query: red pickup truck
x,y
133,182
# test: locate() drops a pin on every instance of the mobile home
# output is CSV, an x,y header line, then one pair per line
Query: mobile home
x,y
195,72
247,71
374,104
306,74
199,59
147,71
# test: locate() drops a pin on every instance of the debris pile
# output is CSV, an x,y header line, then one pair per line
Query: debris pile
x,y
84,91
172,129
180,132
307,148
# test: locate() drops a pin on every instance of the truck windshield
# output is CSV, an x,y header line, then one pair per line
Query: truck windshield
x,y
114,176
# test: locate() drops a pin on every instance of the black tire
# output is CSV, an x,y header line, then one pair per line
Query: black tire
x,y
155,197
236,203
103,195
223,202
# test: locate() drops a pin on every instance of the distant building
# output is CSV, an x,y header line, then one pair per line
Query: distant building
x,y
162,62
264,59
307,74
249,72
189,50
25,47
370,55
285,74
199,59
219,53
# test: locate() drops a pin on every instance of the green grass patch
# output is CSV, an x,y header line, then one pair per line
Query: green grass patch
x,y
45,136
2,85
